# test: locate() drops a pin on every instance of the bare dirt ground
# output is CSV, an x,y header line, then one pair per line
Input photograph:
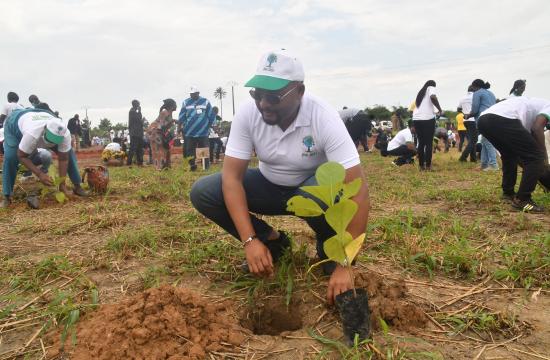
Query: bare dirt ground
x,y
452,272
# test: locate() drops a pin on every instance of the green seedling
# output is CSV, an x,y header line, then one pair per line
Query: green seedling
x,y
338,210
59,196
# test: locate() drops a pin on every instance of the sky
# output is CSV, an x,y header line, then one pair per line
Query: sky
x,y
99,54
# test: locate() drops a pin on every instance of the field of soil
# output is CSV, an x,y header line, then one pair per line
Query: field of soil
x,y
451,273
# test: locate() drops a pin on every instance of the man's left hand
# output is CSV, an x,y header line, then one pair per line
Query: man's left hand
x,y
339,282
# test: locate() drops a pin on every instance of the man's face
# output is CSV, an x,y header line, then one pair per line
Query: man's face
x,y
194,96
274,110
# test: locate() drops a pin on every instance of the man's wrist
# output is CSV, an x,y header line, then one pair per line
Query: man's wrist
x,y
250,239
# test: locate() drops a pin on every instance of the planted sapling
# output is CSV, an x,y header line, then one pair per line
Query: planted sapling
x,y
332,199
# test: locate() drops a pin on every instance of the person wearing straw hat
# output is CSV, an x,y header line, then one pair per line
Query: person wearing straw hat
x,y
293,133
24,132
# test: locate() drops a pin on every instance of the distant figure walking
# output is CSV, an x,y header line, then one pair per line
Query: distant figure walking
x,y
481,101
424,122
135,129
76,131
160,135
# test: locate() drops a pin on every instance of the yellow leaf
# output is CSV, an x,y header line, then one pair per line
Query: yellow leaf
x,y
353,247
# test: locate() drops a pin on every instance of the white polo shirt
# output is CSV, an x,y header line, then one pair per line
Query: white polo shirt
x,y
402,138
288,158
466,104
9,107
426,110
33,126
522,108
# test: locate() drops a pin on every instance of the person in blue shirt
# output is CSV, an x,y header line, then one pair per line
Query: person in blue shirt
x,y
195,119
481,101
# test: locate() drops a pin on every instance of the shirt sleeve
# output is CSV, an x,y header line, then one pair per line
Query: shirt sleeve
x,y
338,144
28,143
475,104
239,144
431,90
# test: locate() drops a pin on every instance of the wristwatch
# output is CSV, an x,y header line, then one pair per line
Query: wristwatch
x,y
250,238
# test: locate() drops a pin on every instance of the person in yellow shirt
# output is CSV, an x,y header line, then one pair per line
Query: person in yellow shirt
x,y
460,128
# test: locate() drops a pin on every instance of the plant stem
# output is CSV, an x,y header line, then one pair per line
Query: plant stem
x,y
352,278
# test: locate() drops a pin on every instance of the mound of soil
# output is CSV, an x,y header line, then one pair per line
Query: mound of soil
x,y
388,300
160,323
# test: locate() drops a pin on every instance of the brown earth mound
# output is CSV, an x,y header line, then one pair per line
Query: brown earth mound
x,y
389,300
161,323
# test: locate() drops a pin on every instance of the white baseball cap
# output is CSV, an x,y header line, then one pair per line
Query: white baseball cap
x,y
275,70
194,89
55,131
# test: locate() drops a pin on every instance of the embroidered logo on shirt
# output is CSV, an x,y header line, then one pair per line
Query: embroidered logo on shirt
x,y
309,143
271,58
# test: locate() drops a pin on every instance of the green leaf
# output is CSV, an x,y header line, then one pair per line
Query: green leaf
x,y
384,326
339,215
322,193
353,247
330,173
60,197
95,297
335,250
44,191
302,206
351,189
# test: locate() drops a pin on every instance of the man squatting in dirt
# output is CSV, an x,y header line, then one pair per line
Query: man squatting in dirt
x,y
27,130
292,133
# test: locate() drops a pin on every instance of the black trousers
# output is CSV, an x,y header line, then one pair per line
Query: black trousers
x,y
472,141
515,145
425,130
136,148
403,152
462,136
190,147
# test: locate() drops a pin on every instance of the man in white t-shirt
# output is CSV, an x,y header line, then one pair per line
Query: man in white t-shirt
x,y
516,128
292,133
12,104
27,130
402,145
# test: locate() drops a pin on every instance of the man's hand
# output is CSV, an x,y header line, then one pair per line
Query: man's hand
x,y
339,282
259,258
45,179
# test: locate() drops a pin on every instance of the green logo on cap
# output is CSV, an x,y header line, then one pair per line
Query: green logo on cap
x,y
271,58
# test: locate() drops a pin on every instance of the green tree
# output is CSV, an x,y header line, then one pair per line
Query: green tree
x,y
220,93
104,126
380,112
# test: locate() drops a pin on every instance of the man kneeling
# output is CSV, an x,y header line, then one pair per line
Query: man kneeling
x,y
24,132
292,133
402,145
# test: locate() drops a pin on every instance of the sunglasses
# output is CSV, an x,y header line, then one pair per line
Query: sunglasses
x,y
273,99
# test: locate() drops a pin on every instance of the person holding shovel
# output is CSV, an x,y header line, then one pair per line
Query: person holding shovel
x,y
293,133
27,130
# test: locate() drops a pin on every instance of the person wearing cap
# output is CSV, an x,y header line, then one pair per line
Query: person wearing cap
x,y
293,133
27,130
516,128
12,104
195,118
135,129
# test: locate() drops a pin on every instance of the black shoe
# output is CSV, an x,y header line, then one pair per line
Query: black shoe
x,y
6,201
507,197
528,206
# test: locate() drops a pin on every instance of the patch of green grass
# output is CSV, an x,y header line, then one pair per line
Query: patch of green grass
x,y
47,269
527,262
151,277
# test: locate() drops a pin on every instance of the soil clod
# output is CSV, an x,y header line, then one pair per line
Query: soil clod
x,y
160,323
